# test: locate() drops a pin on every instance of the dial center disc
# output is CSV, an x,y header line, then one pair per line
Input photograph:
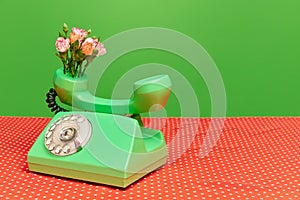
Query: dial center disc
x,y
67,133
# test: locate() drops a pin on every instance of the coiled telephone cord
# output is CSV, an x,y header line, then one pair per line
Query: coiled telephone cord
x,y
51,96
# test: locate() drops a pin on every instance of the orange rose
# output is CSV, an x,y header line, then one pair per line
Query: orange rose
x,y
73,38
87,48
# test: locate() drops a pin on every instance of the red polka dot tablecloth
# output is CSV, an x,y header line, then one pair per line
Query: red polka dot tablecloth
x,y
254,158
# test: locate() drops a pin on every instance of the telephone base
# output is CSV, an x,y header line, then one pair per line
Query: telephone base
x,y
97,178
118,153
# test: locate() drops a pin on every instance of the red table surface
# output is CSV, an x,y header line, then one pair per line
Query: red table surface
x,y
255,157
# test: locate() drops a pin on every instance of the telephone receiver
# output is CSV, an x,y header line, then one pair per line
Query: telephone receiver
x,y
149,94
105,142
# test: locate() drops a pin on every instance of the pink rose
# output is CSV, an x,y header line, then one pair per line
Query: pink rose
x,y
62,44
90,40
101,49
77,34
95,42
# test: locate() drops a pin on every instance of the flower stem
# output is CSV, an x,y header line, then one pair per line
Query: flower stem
x,y
79,70
86,65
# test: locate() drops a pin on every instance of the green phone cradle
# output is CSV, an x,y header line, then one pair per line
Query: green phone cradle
x,y
100,143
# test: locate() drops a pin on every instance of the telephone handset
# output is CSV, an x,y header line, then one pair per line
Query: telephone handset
x,y
104,145
147,93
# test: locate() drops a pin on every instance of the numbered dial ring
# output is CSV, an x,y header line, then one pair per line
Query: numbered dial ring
x,y
68,134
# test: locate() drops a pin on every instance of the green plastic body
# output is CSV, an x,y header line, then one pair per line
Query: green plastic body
x,y
118,153
148,94
120,150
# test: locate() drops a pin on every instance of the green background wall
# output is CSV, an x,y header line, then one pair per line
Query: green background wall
x,y
255,44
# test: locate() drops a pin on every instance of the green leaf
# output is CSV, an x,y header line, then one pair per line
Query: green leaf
x,y
60,34
76,44
65,28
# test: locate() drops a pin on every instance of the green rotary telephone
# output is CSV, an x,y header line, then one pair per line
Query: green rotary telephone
x,y
104,140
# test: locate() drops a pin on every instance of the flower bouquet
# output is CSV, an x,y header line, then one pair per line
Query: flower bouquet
x,y
76,47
